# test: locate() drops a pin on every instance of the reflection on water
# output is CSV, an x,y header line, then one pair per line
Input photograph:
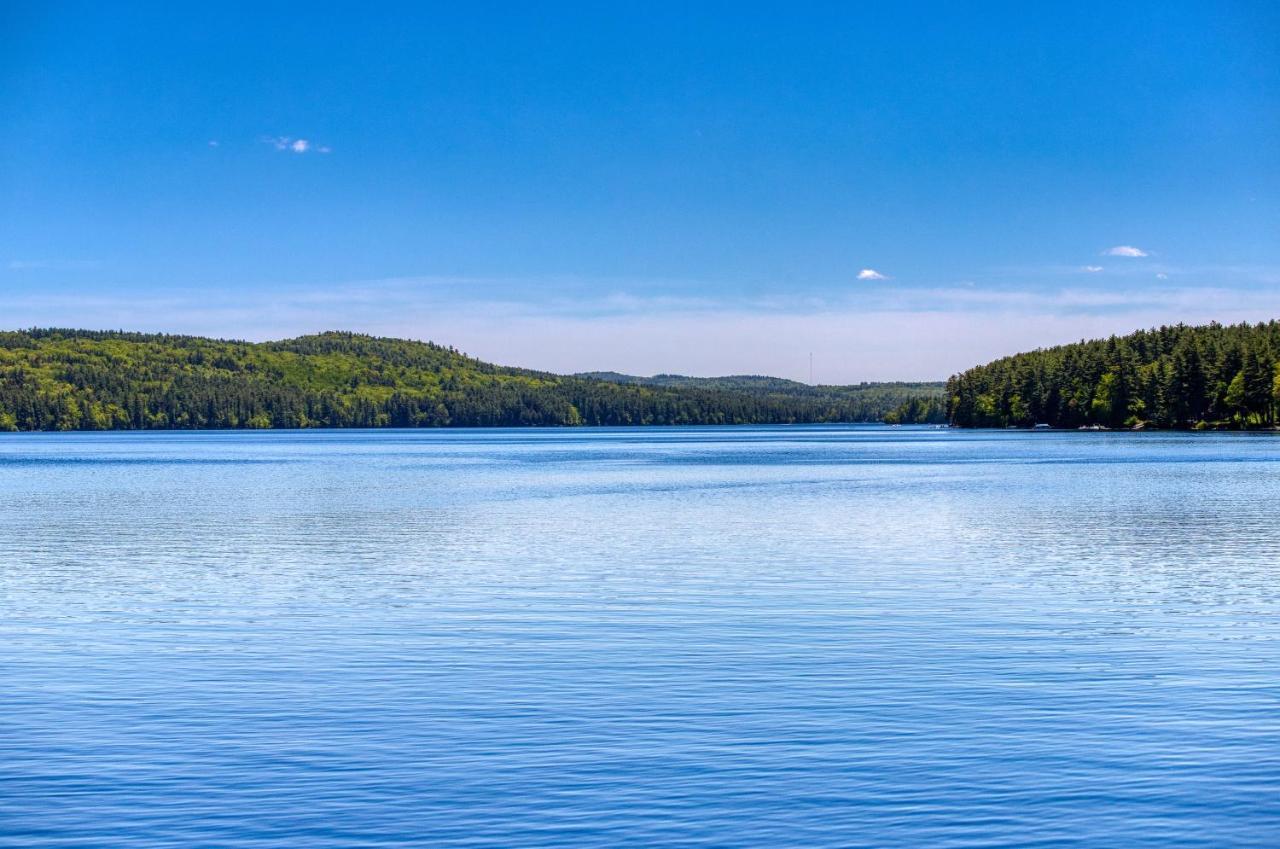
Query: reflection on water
x,y
727,637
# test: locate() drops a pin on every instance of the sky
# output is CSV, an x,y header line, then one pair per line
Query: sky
x,y
901,190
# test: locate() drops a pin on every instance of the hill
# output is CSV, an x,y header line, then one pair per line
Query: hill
x,y
58,379
735,382
1169,377
865,402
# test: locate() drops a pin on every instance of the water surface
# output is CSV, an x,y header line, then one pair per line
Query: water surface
x,y
773,637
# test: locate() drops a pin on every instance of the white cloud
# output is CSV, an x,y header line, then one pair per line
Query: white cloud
x,y
871,274
1092,269
290,144
213,142
1125,250
1162,276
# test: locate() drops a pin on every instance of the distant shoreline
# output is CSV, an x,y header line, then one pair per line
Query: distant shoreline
x,y
56,379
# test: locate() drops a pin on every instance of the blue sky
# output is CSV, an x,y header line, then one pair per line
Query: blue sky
x,y
901,189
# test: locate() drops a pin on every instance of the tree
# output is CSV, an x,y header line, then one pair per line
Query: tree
x,y
1275,394
1235,397
1256,376
1105,404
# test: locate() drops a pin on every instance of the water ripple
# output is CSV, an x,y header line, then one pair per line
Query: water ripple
x,y
805,637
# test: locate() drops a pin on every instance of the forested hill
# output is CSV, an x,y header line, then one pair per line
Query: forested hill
x,y
747,382
56,379
868,402
1172,377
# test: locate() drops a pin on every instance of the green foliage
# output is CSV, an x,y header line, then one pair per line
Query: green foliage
x,y
1171,377
1105,399
53,379
919,409
1235,395
859,402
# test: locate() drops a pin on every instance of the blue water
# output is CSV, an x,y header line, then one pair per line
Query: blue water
x,y
755,637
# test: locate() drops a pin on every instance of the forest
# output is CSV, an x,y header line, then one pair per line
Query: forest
x,y
892,402
58,379
1179,377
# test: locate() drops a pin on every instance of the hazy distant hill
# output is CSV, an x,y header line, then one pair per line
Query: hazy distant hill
x,y
736,382
867,402
54,379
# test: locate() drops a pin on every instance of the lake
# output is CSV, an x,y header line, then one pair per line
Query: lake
x,y
738,637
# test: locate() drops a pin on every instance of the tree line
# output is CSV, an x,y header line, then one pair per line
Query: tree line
x,y
1177,377
61,379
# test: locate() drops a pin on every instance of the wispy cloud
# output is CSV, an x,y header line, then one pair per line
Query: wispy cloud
x,y
52,264
289,144
875,333
1125,250
1092,269
871,274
